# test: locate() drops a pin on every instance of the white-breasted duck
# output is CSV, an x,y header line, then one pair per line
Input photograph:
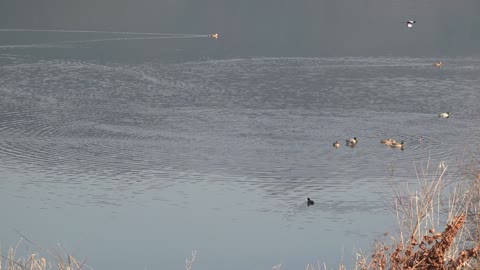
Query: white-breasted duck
x,y
351,142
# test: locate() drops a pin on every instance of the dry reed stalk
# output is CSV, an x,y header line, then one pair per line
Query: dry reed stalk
x,y
341,266
189,262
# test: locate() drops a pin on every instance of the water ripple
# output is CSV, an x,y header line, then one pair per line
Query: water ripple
x,y
263,123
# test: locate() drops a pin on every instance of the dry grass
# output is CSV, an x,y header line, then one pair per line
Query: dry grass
x,y
37,261
420,214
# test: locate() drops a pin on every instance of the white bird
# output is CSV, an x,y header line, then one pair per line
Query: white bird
x,y
444,115
410,23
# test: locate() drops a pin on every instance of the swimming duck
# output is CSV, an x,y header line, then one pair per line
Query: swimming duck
x,y
398,145
310,202
444,115
410,23
336,144
351,142
438,64
388,141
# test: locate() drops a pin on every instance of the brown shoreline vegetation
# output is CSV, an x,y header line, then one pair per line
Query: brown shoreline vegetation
x,y
452,205
427,253
418,245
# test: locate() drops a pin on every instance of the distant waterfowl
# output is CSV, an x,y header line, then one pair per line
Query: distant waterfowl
x,y
399,145
310,202
438,64
351,142
388,141
336,144
444,115
410,23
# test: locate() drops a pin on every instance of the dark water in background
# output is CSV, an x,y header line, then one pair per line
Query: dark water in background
x,y
134,161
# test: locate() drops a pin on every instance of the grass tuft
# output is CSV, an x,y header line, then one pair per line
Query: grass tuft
x,y
36,261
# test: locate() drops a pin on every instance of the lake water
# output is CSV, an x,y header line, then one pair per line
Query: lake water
x,y
132,159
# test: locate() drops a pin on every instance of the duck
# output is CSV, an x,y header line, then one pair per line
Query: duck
x,y
351,142
444,115
438,64
410,23
388,141
336,144
399,145
310,202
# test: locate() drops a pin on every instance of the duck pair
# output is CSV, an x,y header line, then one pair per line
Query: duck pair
x,y
392,143
388,141
349,142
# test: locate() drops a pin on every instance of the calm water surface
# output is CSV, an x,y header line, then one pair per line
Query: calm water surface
x,y
134,164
